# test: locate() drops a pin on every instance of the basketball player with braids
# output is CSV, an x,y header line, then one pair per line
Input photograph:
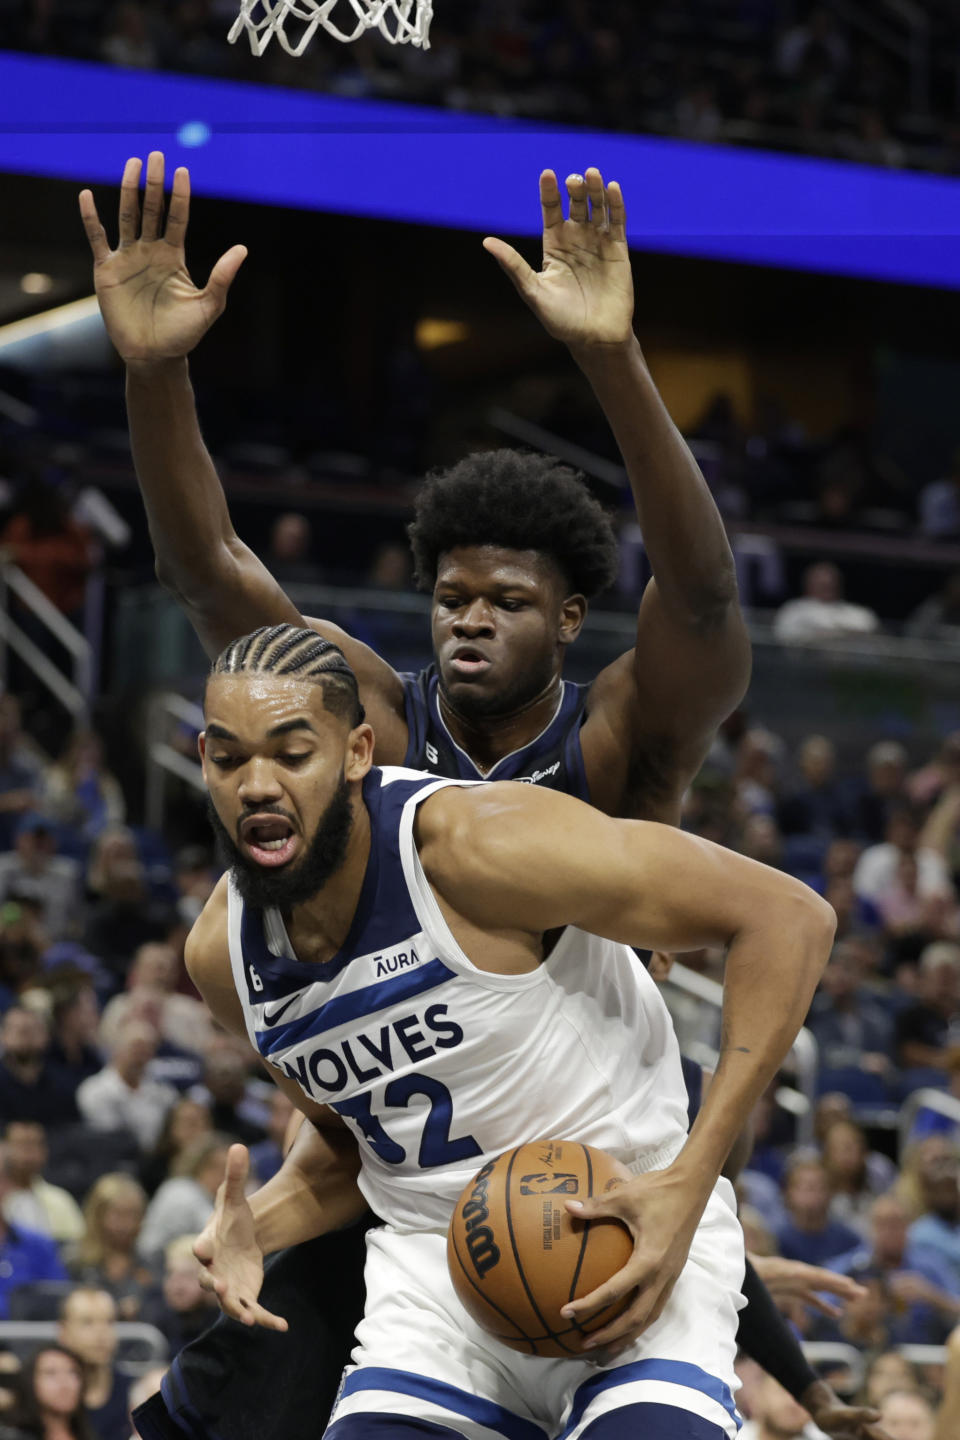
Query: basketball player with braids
x,y
512,546
514,1008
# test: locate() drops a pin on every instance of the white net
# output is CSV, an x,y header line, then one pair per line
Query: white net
x,y
295,22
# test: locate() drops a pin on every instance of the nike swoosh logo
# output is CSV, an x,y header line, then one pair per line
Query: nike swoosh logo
x,y
271,1019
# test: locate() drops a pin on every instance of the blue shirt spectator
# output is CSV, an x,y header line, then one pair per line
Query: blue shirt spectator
x,y
923,1298
25,1256
938,1229
851,1028
808,1233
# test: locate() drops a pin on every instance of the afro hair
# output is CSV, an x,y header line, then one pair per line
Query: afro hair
x,y
520,501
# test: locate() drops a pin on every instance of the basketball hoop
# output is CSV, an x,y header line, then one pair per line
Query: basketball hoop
x,y
402,22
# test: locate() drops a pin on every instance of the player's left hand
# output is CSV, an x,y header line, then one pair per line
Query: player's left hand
x,y
583,293
662,1214
794,1280
840,1421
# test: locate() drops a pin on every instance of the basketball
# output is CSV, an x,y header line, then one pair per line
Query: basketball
x,y
516,1255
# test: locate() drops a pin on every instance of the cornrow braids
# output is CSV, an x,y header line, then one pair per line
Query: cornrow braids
x,y
294,650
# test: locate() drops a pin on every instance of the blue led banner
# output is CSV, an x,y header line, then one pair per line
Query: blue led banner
x,y
435,167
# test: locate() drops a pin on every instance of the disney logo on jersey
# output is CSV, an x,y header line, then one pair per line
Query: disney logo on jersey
x,y
549,1184
538,775
324,1071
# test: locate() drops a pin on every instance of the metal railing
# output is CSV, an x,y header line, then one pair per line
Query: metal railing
x,y
804,1057
823,1353
76,695
164,759
132,1335
937,1100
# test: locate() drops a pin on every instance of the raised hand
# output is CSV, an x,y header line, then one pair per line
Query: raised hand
x,y
150,306
583,292
228,1251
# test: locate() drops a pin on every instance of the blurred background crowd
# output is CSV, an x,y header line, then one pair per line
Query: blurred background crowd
x,y
876,84
823,414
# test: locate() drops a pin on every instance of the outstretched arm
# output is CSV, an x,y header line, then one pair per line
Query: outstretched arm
x,y
155,316
690,635
315,1190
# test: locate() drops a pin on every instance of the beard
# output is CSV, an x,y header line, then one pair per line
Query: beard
x,y
299,881
476,702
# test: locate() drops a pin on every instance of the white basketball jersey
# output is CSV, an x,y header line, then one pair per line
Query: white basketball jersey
x,y
438,1066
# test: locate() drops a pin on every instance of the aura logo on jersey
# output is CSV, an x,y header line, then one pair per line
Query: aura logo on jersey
x,y
482,1247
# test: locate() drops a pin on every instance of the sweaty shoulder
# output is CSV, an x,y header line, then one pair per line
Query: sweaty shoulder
x,y
207,957
461,828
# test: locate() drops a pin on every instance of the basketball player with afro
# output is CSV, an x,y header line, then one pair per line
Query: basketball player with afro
x,y
513,547
474,1045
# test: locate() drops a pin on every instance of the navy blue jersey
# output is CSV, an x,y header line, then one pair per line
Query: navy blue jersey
x,y
553,759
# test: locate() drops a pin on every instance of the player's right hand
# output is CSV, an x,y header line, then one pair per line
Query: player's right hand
x,y
150,306
227,1249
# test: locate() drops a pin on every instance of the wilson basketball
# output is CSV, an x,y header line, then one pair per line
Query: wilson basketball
x,y
516,1255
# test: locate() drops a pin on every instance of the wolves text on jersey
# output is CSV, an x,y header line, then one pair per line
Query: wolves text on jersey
x,y
328,1070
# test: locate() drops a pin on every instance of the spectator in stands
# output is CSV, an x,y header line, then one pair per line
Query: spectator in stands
x,y
20,777
182,1020
938,1228
121,1097
289,555
31,1086
32,1203
855,1173
391,567
183,1205
939,774
924,1038
224,1089
195,878
883,790
266,1156
809,1234
23,943
907,1415
50,1401
88,1327
106,1256
34,869
75,1023
887,1371
821,612
816,806
186,1123
141,1390
817,40
922,1298
25,1257
877,867
912,919
756,777
182,1310
124,916
51,548
940,505
79,791
852,1029
939,617
129,41
776,1415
